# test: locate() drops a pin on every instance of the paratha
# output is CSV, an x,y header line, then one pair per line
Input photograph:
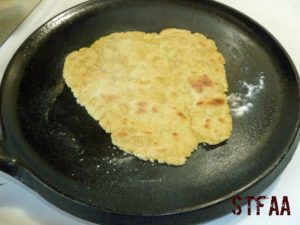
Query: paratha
x,y
158,94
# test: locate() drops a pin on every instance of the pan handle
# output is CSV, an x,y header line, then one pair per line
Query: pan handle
x,y
7,163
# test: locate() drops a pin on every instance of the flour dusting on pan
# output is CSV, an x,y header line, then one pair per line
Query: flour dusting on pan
x,y
241,102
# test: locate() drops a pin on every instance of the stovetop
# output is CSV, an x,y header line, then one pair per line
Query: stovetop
x,y
12,13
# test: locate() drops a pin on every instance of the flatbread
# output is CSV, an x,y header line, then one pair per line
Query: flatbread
x,y
159,95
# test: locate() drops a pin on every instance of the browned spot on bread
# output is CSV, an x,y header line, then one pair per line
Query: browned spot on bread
x,y
181,115
148,132
162,150
122,134
109,98
214,102
201,83
217,101
124,120
142,104
141,107
175,135
207,121
154,109
221,120
141,110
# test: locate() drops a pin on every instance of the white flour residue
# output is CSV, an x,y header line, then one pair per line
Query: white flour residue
x,y
119,161
240,103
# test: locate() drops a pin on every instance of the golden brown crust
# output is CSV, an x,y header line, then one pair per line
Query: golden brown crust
x,y
159,95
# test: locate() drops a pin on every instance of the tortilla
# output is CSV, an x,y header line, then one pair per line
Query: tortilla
x,y
159,95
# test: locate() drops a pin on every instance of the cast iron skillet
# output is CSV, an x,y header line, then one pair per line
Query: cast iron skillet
x,y
53,146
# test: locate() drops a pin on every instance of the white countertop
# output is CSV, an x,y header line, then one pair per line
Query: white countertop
x,y
20,206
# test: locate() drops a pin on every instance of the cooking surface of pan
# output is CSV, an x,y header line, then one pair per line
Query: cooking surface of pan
x,y
55,139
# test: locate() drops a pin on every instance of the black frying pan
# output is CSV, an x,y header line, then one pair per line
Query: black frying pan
x,y
53,146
